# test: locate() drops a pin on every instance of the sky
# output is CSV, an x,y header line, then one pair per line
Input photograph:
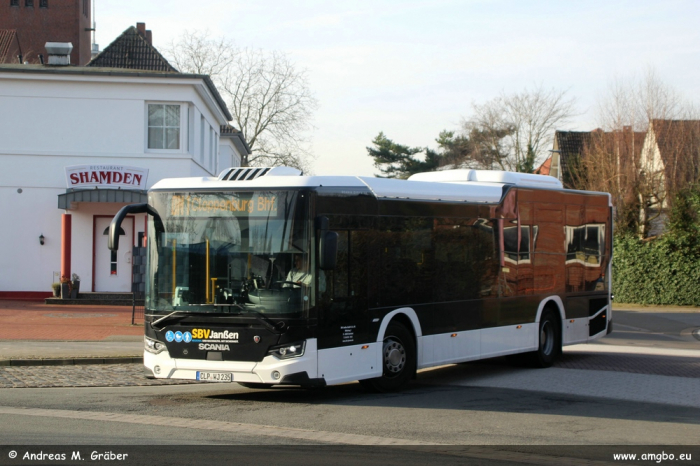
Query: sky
x,y
414,68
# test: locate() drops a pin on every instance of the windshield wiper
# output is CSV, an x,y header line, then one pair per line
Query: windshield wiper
x,y
180,315
274,327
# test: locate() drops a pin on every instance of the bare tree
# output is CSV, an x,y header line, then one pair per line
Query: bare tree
x,y
526,119
607,165
196,53
647,153
272,104
490,134
269,98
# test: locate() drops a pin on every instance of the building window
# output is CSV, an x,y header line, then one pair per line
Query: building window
x,y
43,3
163,126
14,2
554,165
29,3
201,140
211,150
86,7
113,263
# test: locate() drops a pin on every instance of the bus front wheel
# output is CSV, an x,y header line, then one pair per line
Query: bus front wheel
x,y
549,341
398,360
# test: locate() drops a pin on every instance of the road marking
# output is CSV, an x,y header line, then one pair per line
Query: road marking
x,y
205,424
638,329
604,348
467,451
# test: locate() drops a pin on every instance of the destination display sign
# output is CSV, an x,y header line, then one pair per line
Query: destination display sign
x,y
258,204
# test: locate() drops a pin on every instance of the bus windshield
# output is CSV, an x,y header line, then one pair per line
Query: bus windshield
x,y
230,252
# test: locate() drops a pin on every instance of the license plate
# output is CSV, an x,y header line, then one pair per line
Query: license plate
x,y
215,376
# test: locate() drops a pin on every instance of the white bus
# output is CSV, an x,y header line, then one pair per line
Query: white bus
x,y
266,277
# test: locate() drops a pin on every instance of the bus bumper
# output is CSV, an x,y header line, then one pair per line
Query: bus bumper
x,y
302,370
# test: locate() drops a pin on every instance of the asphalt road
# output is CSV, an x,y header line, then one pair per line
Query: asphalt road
x,y
593,397
644,327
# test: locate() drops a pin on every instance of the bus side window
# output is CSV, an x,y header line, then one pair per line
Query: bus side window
x,y
510,241
349,289
464,259
358,265
340,273
406,258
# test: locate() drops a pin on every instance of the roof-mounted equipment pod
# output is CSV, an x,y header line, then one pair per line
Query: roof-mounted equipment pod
x,y
489,176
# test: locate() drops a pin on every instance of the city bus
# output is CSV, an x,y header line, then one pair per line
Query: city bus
x,y
264,277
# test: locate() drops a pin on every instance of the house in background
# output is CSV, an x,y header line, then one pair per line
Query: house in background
x,y
643,169
33,23
670,161
570,147
567,146
132,50
233,148
80,142
671,153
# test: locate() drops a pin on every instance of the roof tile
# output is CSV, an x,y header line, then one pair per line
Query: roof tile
x,y
131,50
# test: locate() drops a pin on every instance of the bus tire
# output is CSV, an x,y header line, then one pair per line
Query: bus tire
x,y
549,341
398,360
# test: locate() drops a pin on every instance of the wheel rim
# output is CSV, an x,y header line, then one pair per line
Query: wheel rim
x,y
394,356
546,337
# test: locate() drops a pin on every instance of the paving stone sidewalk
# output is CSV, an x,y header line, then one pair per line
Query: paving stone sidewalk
x,y
671,366
102,375
32,332
36,321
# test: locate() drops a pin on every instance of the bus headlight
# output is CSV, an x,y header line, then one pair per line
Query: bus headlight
x,y
153,346
289,350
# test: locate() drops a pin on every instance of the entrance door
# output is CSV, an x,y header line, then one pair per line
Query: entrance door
x,y
112,270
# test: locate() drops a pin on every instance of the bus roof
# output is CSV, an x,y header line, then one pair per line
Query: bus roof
x,y
476,186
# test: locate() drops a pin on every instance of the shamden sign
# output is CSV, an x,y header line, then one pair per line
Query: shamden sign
x,y
106,176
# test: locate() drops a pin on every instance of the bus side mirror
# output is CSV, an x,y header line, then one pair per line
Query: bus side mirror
x,y
115,224
328,250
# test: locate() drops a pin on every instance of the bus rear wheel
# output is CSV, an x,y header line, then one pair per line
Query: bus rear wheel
x,y
398,360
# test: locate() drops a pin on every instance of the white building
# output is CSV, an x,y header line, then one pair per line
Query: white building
x,y
77,144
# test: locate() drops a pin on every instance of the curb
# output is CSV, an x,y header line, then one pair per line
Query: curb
x,y
69,361
660,308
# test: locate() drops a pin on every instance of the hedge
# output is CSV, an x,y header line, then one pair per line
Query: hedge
x,y
661,271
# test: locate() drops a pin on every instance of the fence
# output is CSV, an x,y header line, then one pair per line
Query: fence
x,y
138,308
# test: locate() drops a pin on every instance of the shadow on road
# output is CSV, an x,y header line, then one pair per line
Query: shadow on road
x,y
439,389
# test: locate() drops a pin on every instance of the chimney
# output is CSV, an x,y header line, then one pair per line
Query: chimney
x,y
59,53
95,51
149,37
141,27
